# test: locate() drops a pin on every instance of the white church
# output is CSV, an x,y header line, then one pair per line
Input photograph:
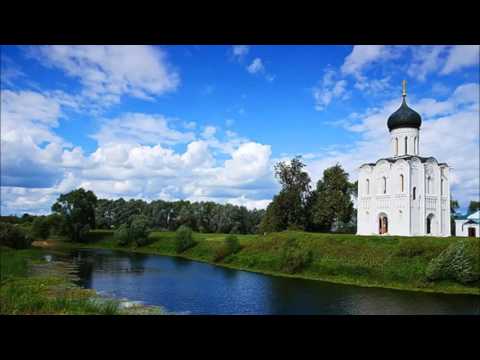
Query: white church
x,y
405,194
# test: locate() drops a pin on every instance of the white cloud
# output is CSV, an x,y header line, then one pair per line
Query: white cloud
x,y
461,56
28,143
110,71
425,60
441,59
329,89
240,51
139,128
256,66
209,132
362,56
135,159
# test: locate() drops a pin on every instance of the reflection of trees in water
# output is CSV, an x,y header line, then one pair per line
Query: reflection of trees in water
x,y
181,264
137,263
299,296
107,262
229,274
85,271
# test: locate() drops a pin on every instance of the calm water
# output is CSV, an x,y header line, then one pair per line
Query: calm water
x,y
197,288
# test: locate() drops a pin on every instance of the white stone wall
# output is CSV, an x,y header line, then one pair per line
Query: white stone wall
x,y
417,201
412,137
407,216
461,230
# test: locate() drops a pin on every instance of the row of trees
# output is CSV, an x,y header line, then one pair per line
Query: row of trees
x,y
328,207
208,217
79,211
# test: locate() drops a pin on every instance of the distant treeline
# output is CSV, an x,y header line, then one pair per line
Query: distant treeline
x,y
207,217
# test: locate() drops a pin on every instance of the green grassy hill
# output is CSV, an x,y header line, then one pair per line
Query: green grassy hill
x,y
393,262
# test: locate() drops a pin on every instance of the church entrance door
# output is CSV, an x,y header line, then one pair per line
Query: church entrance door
x,y
471,232
429,223
382,224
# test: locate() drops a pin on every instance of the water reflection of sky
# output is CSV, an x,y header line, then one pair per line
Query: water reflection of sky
x,y
187,286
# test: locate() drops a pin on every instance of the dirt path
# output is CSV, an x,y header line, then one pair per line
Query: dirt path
x,y
43,243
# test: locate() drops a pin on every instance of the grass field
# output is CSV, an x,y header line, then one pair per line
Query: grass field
x,y
391,262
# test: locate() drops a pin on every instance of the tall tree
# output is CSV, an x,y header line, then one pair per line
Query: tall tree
x,y
473,206
332,199
78,211
288,209
454,206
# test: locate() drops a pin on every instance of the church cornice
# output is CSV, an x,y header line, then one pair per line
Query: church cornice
x,y
395,159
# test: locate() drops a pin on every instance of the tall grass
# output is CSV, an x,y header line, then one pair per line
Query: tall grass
x,y
21,293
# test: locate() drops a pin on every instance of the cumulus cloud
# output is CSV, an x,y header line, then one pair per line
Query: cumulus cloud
x,y
110,71
135,159
28,144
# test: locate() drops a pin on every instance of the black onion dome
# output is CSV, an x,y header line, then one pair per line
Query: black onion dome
x,y
404,117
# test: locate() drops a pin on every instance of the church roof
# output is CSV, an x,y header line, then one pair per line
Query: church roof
x,y
404,117
474,216
407,157
470,219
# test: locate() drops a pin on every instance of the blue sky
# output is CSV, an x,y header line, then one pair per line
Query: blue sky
x,y
208,122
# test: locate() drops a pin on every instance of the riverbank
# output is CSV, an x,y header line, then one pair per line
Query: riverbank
x,y
367,261
31,284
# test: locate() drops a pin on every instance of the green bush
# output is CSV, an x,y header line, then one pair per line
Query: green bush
x,y
13,237
294,258
459,262
139,230
40,228
121,235
57,225
230,246
136,232
183,239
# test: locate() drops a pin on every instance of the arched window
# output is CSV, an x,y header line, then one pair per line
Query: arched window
x,y
406,141
401,183
415,145
418,143
368,187
429,184
414,192
384,182
441,187
396,146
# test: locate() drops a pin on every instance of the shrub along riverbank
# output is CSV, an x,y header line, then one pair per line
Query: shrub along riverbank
x,y
409,263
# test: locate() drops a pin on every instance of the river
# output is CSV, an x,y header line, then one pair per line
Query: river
x,y
190,287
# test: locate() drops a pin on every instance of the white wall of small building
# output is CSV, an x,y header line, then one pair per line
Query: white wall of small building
x,y
462,230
